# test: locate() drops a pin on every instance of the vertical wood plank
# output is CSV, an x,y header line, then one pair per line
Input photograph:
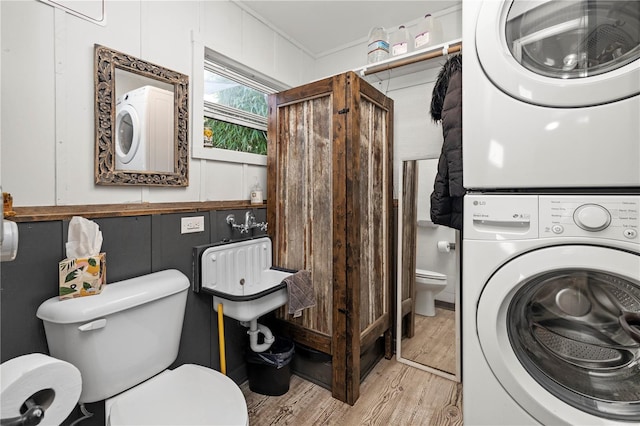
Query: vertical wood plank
x,y
391,229
409,236
305,202
320,221
353,236
273,184
341,314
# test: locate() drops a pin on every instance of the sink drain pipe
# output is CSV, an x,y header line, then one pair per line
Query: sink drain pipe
x,y
254,330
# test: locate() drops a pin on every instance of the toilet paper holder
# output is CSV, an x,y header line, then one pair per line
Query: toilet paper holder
x,y
31,417
446,246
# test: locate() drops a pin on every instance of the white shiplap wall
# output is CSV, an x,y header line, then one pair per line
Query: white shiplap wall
x,y
47,139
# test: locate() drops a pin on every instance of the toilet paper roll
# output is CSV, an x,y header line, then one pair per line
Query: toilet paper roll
x,y
53,384
9,241
444,246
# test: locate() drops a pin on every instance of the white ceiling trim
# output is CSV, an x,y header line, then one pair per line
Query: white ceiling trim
x,y
279,13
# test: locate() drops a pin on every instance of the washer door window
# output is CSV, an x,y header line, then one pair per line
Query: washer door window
x,y
560,330
127,133
586,50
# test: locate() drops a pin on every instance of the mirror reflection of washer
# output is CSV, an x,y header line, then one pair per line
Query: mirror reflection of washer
x,y
144,130
551,309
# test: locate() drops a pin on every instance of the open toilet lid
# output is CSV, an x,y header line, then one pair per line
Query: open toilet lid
x,y
188,395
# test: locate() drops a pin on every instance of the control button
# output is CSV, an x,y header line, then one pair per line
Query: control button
x,y
592,217
630,233
557,229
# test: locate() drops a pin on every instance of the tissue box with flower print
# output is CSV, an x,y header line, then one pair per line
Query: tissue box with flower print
x,y
84,276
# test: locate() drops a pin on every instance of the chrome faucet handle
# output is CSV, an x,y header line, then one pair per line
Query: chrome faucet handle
x,y
262,226
231,220
249,219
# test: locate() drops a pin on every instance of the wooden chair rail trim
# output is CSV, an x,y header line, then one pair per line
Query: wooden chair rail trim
x,y
51,213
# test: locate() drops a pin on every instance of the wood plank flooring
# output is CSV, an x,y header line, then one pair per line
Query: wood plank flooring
x,y
434,341
392,394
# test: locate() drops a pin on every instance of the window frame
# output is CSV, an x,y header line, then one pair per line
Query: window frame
x,y
206,58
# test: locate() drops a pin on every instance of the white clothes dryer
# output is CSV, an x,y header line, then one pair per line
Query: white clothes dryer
x,y
551,310
551,94
144,130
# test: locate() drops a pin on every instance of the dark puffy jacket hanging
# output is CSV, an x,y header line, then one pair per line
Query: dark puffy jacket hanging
x,y
446,106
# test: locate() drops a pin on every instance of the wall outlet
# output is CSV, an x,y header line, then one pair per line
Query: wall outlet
x,y
189,225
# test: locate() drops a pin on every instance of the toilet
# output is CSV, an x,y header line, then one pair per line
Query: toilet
x,y
428,285
123,341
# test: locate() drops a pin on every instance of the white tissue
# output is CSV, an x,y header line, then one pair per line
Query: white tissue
x,y
84,238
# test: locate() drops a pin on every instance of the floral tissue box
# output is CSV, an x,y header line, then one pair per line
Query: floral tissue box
x,y
84,276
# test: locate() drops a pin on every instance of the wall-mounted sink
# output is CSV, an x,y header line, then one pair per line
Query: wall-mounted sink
x,y
240,276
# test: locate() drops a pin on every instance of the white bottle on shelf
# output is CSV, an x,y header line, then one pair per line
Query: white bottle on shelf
x,y
428,32
400,41
378,47
256,193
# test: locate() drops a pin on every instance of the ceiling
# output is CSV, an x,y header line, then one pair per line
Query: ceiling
x,y
323,26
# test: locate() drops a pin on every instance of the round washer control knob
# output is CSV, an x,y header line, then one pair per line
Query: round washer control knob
x,y
592,217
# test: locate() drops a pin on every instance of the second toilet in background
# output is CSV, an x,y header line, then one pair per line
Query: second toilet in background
x,y
428,284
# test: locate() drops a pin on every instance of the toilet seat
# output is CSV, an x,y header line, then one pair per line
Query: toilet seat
x,y
189,395
422,273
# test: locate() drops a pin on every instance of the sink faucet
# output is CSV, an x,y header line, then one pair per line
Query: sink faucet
x,y
249,223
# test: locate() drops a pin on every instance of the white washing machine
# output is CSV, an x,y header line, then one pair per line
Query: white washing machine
x,y
551,310
551,94
144,130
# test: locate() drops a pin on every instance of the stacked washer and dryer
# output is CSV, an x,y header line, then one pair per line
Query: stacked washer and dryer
x,y
551,244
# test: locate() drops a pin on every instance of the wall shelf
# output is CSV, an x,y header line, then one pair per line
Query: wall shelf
x,y
409,63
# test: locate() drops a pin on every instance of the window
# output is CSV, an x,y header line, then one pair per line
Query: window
x,y
235,106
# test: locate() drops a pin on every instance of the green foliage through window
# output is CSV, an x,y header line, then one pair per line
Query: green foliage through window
x,y
225,135
235,111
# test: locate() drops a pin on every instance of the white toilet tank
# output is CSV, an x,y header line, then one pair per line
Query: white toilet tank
x,y
121,337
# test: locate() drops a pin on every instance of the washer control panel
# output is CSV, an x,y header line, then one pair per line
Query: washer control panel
x,y
607,216
527,216
500,217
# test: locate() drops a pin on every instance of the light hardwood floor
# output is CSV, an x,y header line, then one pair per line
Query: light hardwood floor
x,y
434,342
392,394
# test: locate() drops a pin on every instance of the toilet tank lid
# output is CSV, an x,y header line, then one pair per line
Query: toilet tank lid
x,y
430,274
115,297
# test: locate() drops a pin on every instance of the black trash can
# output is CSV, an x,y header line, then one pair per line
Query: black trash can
x,y
269,372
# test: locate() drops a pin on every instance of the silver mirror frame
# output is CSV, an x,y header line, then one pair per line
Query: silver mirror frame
x,y
105,63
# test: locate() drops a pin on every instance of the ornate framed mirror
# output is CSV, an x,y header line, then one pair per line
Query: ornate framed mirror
x,y
141,122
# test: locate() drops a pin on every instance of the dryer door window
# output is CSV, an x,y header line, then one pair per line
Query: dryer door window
x,y
574,39
575,332
570,53
125,133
